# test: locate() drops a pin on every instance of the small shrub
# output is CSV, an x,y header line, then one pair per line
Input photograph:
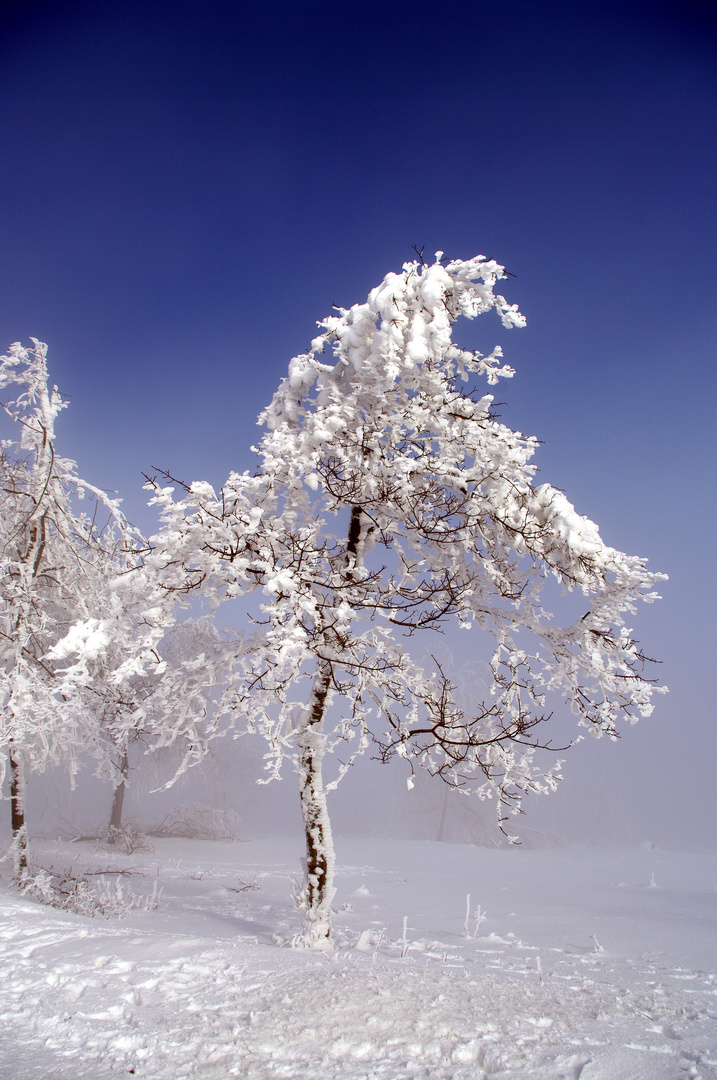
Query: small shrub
x,y
193,821
107,895
128,838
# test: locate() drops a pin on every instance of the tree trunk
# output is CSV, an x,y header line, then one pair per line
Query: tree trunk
x,y
117,803
442,823
318,891
17,820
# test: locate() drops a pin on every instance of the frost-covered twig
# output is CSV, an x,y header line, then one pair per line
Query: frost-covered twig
x,y
404,939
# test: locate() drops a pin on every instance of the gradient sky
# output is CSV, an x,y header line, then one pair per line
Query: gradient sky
x,y
186,187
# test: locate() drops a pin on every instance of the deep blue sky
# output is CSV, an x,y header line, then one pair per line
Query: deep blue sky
x,y
187,186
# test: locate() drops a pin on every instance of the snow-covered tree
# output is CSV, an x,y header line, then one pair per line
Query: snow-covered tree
x,y
139,709
389,500
55,563
115,625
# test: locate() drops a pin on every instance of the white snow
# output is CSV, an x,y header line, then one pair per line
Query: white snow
x,y
596,964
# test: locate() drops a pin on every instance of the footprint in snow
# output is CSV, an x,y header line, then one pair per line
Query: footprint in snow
x,y
571,1069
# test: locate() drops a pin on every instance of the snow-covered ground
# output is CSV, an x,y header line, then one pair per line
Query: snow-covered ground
x,y
580,963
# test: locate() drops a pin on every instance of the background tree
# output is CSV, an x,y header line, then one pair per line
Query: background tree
x,y
148,693
389,500
136,697
55,562
118,706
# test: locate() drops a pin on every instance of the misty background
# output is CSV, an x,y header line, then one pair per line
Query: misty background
x,y
187,187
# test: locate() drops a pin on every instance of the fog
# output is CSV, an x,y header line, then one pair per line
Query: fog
x,y
649,788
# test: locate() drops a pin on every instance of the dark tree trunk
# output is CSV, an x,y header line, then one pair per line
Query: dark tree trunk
x,y
118,802
17,821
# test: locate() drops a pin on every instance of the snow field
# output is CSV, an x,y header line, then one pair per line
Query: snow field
x,y
588,964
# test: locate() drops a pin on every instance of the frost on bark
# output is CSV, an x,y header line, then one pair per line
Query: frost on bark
x,y
318,891
380,426
17,820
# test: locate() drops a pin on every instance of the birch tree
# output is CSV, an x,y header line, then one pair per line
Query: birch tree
x,y
389,501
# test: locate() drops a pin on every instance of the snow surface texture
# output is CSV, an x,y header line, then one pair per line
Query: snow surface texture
x,y
561,964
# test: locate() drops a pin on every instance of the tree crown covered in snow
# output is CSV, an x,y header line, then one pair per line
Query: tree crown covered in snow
x,y
389,499
60,594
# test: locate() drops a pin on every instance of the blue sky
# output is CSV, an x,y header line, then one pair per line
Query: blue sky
x,y
187,187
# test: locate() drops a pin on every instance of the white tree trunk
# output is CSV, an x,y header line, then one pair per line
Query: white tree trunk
x,y
318,891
